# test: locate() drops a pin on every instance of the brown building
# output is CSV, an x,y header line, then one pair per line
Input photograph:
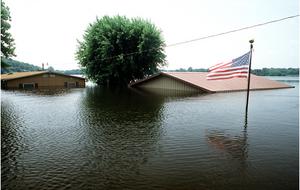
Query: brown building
x,y
40,80
196,82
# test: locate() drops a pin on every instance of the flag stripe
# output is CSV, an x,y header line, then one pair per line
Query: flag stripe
x,y
228,77
230,69
228,73
245,72
238,67
218,66
240,75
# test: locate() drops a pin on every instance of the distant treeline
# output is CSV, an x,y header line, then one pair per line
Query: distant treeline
x,y
73,72
18,66
190,69
259,72
276,72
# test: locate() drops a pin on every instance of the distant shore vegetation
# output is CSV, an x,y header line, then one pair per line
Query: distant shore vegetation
x,y
258,72
18,66
276,72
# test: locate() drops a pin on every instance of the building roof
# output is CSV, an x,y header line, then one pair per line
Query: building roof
x,y
198,80
17,75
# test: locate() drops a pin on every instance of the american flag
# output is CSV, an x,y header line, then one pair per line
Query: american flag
x,y
236,68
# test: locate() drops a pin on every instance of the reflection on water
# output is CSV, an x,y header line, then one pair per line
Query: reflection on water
x,y
97,138
119,134
285,79
235,146
11,144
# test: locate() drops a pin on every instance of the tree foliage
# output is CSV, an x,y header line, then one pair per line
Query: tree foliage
x,y
7,41
50,69
117,50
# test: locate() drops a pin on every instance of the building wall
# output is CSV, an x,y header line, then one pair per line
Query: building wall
x,y
163,82
47,81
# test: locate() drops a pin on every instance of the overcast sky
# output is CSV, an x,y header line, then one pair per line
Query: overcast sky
x,y
47,31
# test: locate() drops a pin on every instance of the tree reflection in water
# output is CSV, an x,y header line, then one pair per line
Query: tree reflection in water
x,y
121,131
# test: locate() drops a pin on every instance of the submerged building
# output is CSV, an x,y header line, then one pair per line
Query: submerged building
x,y
40,80
196,82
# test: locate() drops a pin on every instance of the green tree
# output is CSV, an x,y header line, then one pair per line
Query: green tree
x,y
7,41
51,69
117,50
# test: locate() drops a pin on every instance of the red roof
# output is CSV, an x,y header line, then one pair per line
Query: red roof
x,y
198,80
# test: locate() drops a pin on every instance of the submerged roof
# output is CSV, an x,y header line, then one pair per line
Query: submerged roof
x,y
16,75
198,80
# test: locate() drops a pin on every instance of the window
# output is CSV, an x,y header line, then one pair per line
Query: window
x,y
45,75
28,86
71,85
3,84
77,84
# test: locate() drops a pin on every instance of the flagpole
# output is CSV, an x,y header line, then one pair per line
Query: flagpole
x,y
249,76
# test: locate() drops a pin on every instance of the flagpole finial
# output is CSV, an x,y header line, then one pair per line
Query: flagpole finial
x,y
251,43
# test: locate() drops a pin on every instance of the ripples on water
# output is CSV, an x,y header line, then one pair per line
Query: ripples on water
x,y
97,138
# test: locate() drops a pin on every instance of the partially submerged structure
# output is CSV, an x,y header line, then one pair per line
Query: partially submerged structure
x,y
196,82
40,80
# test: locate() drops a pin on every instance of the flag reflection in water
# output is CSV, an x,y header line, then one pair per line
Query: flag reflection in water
x,y
233,145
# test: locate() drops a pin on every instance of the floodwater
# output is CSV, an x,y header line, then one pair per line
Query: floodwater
x,y
97,138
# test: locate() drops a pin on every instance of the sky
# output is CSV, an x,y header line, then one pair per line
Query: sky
x,y
47,31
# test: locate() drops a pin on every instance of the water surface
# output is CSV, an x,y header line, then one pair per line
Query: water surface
x,y
96,138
